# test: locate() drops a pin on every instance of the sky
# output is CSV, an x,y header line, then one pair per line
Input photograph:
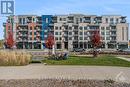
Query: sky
x,y
55,7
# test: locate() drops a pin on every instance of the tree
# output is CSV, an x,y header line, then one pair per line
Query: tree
x,y
10,41
96,42
49,42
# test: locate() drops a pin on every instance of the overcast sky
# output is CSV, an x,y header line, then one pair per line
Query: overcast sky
x,y
94,7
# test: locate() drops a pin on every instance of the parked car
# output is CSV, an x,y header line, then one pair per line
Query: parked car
x,y
78,50
91,50
127,50
120,50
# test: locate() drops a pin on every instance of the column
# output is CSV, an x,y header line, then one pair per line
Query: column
x,y
106,45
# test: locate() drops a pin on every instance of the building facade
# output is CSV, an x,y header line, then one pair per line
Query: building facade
x,y
70,31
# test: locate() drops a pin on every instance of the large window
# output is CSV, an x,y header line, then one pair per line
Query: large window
x,y
47,20
81,28
81,33
111,20
106,20
127,32
70,33
107,28
56,33
107,33
70,38
102,28
122,33
117,20
20,20
102,33
56,28
85,28
70,28
81,38
107,38
56,38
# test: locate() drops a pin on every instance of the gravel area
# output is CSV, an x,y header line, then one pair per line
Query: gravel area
x,y
60,83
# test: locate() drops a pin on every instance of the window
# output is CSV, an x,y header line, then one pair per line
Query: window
x,y
70,33
56,38
20,20
103,38
75,38
106,20
107,38
85,28
107,33
111,20
113,27
34,38
23,20
70,38
60,38
56,28
70,28
60,28
113,33
102,28
107,28
60,19
33,19
81,38
59,33
75,32
56,33
34,33
85,33
80,28
30,33
81,33
80,20
64,19
127,32
47,20
122,33
85,38
77,20
30,28
102,33
117,20
30,38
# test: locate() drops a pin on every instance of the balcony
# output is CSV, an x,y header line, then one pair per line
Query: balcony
x,y
87,21
113,35
113,29
25,40
51,24
123,21
54,19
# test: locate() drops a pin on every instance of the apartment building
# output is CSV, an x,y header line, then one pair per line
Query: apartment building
x,y
70,31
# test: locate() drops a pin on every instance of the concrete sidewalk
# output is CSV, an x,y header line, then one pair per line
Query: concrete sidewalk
x,y
40,71
127,59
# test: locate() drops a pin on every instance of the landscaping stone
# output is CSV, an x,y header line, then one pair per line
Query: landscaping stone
x,y
60,83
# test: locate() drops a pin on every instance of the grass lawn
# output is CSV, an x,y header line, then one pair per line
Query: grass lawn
x,y
104,60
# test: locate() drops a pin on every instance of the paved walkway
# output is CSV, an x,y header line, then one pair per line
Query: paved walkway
x,y
127,59
40,71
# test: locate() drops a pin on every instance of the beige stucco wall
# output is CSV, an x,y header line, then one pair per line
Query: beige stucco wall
x,y
120,32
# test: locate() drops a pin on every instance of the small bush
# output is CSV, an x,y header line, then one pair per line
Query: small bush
x,y
14,58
